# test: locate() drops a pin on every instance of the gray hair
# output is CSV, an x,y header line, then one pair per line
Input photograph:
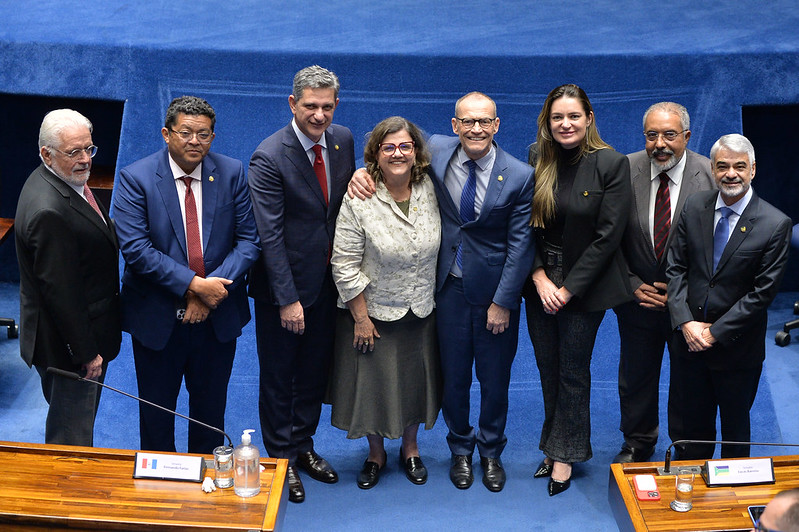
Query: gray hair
x,y
314,77
735,143
673,108
56,122
789,520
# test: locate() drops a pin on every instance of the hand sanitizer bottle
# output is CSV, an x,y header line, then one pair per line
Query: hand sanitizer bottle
x,y
246,467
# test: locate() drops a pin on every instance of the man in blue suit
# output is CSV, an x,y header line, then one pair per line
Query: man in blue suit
x,y
187,234
486,252
297,179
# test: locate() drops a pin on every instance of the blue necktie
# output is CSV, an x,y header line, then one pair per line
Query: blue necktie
x,y
720,235
467,204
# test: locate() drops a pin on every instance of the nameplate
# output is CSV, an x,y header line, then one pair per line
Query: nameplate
x,y
738,472
169,467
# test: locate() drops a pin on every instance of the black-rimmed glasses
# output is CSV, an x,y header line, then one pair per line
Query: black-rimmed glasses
x,y
469,123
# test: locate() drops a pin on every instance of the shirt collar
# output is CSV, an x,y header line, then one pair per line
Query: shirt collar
x,y
484,162
737,207
177,171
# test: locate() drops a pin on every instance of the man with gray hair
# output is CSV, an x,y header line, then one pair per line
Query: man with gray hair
x,y
69,277
297,180
724,269
781,513
663,175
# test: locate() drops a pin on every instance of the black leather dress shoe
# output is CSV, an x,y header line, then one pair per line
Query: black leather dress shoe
x,y
629,454
544,470
296,491
414,468
460,472
369,475
558,486
493,473
317,467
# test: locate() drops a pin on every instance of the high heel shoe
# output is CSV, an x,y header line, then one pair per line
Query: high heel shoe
x,y
544,470
558,486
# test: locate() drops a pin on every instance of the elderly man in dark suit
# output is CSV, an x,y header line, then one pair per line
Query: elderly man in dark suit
x,y
663,175
187,234
69,277
297,180
724,269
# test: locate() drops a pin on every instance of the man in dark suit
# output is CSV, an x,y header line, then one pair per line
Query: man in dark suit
x,y
486,253
663,175
188,237
69,277
724,269
297,179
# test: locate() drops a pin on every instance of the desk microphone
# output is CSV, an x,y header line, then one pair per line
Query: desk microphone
x,y
666,469
75,377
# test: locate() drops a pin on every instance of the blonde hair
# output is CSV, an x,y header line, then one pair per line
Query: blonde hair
x,y
546,159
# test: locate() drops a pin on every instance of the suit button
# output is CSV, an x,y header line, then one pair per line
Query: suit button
x,y
700,308
712,285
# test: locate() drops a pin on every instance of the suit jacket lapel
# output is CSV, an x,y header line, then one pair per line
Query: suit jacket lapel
x,y
746,222
495,184
337,170
439,164
210,188
642,184
707,227
165,183
299,159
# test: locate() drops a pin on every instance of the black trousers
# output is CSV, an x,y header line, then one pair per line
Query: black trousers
x,y
644,334
697,393
294,370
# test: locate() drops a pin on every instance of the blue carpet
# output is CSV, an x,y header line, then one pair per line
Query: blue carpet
x,y
396,504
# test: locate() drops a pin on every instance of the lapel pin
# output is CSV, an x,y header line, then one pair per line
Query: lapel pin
x,y
335,147
743,229
500,178
585,193
211,179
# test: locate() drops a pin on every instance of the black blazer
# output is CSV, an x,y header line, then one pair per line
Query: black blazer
x,y
736,296
69,276
594,269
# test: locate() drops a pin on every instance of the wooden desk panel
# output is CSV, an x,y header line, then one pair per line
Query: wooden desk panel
x,y
83,488
6,225
721,508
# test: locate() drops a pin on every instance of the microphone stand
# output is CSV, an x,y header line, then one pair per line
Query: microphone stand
x,y
74,376
665,470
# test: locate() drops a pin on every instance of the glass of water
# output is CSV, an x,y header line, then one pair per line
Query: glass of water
x,y
223,465
683,492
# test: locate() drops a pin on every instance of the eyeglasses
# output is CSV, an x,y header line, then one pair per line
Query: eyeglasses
x,y
405,148
652,136
91,151
761,528
469,123
204,137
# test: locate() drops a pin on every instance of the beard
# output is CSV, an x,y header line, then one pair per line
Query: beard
x,y
670,163
733,188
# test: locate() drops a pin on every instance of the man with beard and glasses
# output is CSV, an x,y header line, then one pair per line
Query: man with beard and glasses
x,y
69,277
663,176
724,269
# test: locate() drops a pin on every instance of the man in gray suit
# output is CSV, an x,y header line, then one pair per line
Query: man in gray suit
x,y
663,175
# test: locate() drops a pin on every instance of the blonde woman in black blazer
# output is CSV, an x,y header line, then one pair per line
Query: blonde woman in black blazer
x,y
580,211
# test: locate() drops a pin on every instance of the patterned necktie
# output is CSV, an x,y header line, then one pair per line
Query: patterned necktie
x,y
662,221
720,235
193,242
467,204
87,192
319,169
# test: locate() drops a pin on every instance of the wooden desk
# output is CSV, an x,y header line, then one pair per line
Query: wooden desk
x,y
83,488
721,508
6,225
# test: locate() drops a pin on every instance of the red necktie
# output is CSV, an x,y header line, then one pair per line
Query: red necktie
x,y
319,169
87,192
193,231
662,215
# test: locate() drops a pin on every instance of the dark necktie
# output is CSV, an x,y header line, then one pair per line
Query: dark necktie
x,y
319,169
720,235
87,192
467,203
662,221
193,242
